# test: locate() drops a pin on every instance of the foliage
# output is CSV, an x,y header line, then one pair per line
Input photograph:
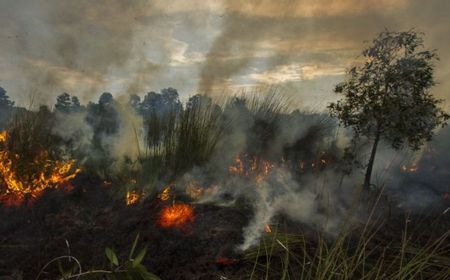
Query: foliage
x,y
4,100
131,268
6,107
67,104
353,254
388,96
178,139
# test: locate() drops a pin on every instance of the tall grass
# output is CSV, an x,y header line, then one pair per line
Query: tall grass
x,y
354,254
181,139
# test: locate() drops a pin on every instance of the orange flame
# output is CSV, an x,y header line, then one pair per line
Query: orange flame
x,y
51,174
132,197
255,168
267,228
194,190
238,166
176,215
165,194
411,169
3,136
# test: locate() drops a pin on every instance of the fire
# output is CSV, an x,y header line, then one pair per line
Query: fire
x,y
165,194
224,261
3,136
254,167
411,169
132,197
265,168
238,166
50,174
267,228
194,190
176,215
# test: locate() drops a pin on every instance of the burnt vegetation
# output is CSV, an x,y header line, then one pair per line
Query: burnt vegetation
x,y
241,188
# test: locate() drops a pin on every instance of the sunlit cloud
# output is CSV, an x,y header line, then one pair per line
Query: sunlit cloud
x,y
181,56
295,72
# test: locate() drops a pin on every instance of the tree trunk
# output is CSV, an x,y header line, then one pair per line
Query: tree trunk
x,y
371,161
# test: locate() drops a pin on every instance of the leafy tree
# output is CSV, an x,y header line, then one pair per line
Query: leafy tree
x,y
6,107
135,102
67,104
5,103
76,105
105,99
387,96
63,103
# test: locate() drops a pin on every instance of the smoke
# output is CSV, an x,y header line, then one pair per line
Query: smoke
x,y
238,44
128,142
74,129
79,46
281,195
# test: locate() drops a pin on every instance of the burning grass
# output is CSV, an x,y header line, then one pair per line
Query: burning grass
x,y
177,215
132,197
179,142
25,178
251,167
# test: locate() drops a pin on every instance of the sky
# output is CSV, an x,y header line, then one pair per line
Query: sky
x,y
300,47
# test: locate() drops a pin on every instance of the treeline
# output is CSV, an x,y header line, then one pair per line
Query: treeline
x,y
173,137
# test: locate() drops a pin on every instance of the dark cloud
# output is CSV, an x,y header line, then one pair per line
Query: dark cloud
x,y
57,44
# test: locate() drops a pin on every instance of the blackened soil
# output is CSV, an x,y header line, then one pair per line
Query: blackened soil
x,y
90,220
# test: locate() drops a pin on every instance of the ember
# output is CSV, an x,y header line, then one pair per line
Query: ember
x,y
165,194
132,197
176,215
194,190
411,169
223,261
256,168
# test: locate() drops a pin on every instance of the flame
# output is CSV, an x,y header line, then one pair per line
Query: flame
x,y
267,228
194,190
238,166
3,136
176,215
411,169
254,167
165,194
16,187
265,168
132,197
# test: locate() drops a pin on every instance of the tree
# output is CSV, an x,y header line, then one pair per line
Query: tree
x,y
135,102
6,108
387,96
5,103
63,103
67,104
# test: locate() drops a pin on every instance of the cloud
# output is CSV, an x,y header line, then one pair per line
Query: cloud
x,y
309,8
139,45
181,56
296,72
